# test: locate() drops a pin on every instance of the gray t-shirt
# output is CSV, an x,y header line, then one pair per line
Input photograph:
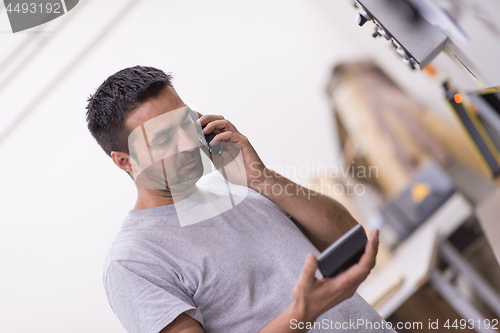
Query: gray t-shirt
x,y
233,272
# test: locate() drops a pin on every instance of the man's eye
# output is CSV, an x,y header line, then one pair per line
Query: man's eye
x,y
163,140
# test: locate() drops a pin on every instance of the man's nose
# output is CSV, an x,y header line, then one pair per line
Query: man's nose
x,y
186,142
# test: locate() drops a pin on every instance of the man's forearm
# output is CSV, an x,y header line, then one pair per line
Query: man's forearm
x,y
323,218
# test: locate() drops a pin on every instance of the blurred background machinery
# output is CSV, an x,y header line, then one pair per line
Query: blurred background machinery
x,y
468,31
436,194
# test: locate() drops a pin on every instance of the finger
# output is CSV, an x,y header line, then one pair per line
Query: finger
x,y
228,154
371,249
247,151
204,120
362,269
307,275
375,235
229,136
219,126
358,272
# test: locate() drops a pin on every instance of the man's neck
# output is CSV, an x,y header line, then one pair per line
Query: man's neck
x,y
154,198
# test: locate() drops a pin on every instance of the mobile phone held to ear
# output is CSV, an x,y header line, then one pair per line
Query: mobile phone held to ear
x,y
215,149
204,139
343,253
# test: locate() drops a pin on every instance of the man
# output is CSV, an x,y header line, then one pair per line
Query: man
x,y
235,271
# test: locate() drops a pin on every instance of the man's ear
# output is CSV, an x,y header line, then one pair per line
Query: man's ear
x,y
122,160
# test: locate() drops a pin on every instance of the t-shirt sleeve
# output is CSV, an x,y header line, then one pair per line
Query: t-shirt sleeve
x,y
146,298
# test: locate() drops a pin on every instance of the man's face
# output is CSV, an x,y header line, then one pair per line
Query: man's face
x,y
163,144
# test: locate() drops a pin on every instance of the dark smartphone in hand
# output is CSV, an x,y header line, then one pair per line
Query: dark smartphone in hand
x,y
343,253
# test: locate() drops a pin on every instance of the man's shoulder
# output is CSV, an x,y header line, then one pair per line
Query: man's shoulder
x,y
131,243
125,247
135,253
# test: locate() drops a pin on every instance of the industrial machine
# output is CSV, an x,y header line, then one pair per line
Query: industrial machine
x,y
467,31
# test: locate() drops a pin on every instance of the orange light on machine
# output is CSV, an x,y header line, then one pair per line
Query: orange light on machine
x,y
430,70
458,98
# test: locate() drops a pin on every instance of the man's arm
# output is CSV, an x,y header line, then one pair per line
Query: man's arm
x,y
312,296
324,220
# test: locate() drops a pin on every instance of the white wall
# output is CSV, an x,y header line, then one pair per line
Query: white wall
x,y
264,65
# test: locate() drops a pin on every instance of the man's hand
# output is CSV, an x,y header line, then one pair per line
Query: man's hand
x,y
252,170
313,296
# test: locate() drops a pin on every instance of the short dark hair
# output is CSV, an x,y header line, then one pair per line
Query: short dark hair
x,y
116,97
